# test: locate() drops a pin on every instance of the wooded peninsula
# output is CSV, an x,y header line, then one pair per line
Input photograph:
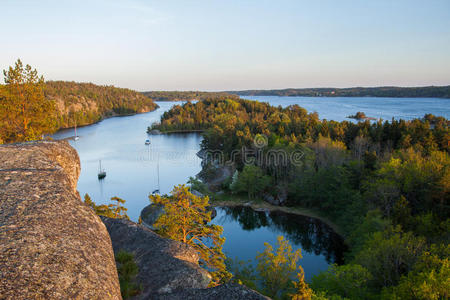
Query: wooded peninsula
x,y
31,107
386,184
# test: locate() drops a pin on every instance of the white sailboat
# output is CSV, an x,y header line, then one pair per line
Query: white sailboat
x,y
76,137
101,172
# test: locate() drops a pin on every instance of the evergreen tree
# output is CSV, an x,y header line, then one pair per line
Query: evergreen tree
x,y
115,211
186,219
25,114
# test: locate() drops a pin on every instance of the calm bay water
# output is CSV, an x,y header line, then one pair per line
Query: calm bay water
x,y
130,165
339,108
131,168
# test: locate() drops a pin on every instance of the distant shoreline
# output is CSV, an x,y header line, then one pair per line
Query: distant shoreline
x,y
293,96
442,92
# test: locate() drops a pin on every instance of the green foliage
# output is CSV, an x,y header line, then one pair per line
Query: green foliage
x,y
252,181
86,103
390,254
348,281
187,96
302,290
424,182
386,184
371,223
275,273
187,219
199,186
277,268
127,270
243,272
114,210
327,189
25,114
429,279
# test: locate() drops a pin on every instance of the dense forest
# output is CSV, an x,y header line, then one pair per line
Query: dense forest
x,y
187,95
87,103
386,91
386,184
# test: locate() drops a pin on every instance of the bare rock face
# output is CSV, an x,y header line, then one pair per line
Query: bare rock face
x,y
52,246
164,265
150,214
168,270
227,291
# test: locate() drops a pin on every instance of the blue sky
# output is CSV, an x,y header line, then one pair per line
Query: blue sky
x,y
229,45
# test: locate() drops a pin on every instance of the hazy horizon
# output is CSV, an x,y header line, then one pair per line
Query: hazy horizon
x,y
233,45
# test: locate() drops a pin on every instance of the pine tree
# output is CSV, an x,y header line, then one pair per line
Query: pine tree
x,y
115,211
25,114
186,219
118,210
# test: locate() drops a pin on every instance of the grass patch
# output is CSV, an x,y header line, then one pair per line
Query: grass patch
x,y
127,270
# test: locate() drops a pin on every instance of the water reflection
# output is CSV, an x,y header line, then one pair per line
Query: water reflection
x,y
310,234
314,235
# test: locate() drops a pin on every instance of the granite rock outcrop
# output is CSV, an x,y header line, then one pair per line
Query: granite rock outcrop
x,y
52,246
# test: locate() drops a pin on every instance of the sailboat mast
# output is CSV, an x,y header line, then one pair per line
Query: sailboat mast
x,y
76,135
157,168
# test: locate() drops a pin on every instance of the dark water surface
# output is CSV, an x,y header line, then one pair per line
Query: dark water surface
x,y
246,231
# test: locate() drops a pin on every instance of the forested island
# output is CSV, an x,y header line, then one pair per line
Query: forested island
x,y
385,91
187,95
386,185
360,116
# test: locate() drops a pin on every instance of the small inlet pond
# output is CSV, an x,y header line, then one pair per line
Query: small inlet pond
x,y
246,231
